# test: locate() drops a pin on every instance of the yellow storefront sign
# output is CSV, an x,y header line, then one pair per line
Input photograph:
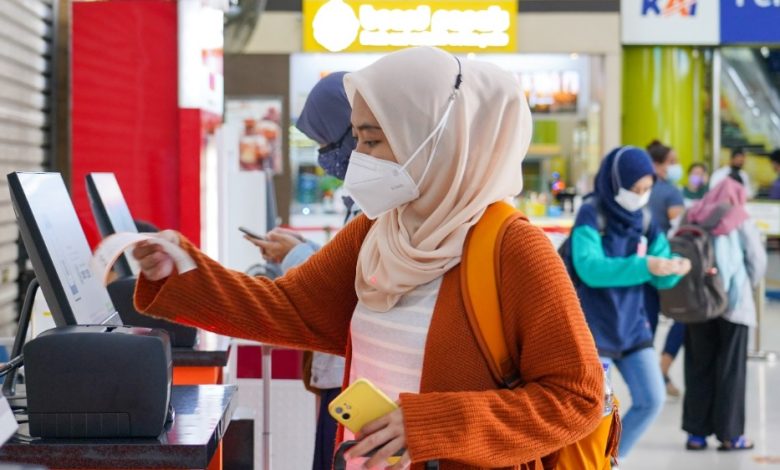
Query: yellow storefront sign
x,y
386,25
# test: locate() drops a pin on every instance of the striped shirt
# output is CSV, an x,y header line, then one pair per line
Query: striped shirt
x,y
388,348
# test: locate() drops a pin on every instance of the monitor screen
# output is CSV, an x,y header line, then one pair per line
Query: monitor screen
x,y
111,214
59,250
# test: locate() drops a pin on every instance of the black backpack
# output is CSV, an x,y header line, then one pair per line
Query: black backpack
x,y
699,296
564,251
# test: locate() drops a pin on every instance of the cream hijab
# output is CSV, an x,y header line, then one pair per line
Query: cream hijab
x,y
477,162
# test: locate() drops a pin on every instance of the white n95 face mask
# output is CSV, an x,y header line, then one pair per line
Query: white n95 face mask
x,y
632,201
378,186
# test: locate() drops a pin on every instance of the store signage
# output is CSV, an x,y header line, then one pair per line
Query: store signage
x,y
384,25
750,21
670,22
669,7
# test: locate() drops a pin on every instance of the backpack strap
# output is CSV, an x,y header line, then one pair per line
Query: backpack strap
x,y
714,218
647,217
480,284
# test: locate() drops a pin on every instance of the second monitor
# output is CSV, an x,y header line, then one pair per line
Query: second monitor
x,y
111,214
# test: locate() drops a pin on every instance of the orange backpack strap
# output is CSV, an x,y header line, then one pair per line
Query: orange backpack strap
x,y
480,283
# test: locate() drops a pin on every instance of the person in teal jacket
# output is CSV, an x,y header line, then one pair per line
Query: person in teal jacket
x,y
615,250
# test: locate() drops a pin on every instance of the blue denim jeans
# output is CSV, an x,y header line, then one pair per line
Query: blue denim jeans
x,y
642,373
674,339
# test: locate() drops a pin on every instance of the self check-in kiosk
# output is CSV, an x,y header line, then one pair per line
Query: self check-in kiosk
x,y
90,376
113,216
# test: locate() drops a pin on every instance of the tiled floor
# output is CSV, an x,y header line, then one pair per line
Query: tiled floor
x,y
663,446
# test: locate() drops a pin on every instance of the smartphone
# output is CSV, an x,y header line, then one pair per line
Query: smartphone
x,y
360,404
253,234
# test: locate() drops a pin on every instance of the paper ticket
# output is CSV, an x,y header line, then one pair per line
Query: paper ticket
x,y
8,424
112,247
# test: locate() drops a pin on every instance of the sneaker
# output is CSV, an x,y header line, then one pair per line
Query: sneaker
x,y
696,442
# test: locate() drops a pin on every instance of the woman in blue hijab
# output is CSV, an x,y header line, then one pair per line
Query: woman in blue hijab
x,y
616,248
326,120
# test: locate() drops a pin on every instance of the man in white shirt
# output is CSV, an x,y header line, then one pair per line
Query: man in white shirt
x,y
734,171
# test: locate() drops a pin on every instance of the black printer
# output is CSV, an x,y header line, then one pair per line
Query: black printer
x,y
98,381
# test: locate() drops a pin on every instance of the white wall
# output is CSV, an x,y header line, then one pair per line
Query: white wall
x,y
585,33
241,202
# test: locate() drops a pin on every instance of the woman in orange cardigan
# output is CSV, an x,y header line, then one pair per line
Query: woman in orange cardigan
x,y
438,141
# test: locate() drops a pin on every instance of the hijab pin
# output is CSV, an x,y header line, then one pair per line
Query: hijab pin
x,y
373,280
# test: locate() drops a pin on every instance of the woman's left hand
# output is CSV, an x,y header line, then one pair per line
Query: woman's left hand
x,y
386,433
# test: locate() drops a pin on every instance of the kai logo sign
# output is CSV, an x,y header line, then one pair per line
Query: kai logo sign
x,y
670,22
384,25
669,7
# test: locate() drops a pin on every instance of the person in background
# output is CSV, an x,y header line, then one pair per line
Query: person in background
x,y
716,351
698,183
666,206
614,262
666,200
734,171
325,118
386,292
696,189
774,191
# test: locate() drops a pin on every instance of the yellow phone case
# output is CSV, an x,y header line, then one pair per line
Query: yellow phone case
x,y
360,404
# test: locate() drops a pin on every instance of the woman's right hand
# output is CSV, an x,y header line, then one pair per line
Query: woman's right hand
x,y
156,264
278,244
661,266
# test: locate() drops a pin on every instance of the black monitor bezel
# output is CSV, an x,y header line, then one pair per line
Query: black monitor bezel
x,y
43,265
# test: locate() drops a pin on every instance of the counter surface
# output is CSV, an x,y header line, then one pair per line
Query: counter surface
x,y
211,350
203,413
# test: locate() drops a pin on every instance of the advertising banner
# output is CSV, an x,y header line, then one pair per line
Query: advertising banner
x,y
670,22
750,22
387,25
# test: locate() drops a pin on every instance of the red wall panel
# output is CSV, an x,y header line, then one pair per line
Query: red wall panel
x,y
191,145
125,99
285,363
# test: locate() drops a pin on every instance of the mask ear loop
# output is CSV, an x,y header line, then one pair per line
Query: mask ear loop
x,y
616,183
438,132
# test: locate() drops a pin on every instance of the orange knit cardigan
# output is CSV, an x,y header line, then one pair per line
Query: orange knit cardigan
x,y
460,417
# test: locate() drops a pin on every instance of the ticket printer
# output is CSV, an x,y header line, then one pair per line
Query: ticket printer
x,y
98,381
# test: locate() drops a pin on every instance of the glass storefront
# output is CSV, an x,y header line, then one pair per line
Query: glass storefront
x,y
565,92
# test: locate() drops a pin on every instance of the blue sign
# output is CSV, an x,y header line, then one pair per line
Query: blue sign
x,y
750,22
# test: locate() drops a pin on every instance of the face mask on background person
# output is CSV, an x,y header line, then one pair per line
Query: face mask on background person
x,y
632,201
334,157
674,173
379,186
696,181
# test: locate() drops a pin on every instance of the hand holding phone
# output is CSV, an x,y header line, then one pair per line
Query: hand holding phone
x,y
252,234
357,406
360,404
